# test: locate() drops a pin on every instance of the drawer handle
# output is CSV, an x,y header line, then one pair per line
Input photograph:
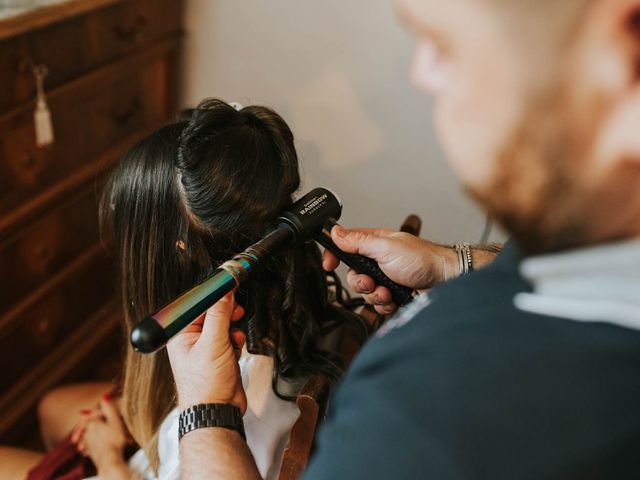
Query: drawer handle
x,y
123,117
134,33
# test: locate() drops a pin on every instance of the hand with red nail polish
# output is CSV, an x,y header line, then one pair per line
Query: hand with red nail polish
x,y
86,415
101,436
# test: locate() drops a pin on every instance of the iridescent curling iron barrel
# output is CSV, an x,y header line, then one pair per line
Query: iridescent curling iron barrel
x,y
312,216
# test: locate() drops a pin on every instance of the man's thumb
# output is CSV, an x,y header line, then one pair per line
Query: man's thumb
x,y
362,242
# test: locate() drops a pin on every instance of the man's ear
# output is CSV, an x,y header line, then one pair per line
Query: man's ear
x,y
620,81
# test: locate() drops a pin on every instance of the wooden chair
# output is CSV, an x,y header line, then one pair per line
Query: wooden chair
x,y
312,402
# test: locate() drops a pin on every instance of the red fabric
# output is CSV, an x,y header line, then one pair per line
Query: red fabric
x,y
64,462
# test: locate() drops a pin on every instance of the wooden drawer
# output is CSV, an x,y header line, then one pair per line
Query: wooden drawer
x,y
71,48
113,71
28,336
93,352
43,249
88,118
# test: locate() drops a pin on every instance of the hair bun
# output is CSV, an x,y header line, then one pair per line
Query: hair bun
x,y
232,161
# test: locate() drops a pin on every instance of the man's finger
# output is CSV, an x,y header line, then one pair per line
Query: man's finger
x,y
196,326
386,309
238,313
238,338
360,283
382,296
379,298
329,261
217,320
369,298
380,232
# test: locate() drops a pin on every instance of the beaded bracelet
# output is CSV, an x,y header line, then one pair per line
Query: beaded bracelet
x,y
465,261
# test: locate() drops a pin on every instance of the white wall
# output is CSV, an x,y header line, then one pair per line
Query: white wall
x,y
337,71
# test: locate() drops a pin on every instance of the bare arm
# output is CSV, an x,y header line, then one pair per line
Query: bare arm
x,y
233,457
482,255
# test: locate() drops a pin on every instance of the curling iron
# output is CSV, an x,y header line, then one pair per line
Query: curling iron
x,y
311,217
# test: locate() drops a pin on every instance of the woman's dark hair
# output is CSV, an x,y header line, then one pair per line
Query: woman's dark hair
x,y
187,198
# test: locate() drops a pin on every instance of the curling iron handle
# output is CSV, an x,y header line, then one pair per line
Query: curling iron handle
x,y
361,264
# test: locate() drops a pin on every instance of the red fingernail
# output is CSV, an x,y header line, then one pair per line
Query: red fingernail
x,y
106,396
85,411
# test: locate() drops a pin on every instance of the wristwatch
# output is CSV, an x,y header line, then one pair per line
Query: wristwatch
x,y
210,415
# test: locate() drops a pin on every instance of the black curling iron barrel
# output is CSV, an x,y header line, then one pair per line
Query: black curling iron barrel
x,y
311,217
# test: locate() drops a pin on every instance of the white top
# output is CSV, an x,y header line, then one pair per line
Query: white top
x,y
267,424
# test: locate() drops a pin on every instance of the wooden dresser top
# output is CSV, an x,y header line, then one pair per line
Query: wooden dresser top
x,y
41,16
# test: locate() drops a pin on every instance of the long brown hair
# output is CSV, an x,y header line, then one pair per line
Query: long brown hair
x,y
182,201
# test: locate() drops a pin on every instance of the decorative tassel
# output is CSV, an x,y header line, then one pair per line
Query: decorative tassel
x,y
44,128
42,115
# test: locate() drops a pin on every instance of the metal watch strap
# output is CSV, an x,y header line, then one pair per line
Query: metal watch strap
x,y
210,415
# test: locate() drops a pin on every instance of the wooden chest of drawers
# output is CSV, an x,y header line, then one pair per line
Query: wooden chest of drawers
x,y
113,69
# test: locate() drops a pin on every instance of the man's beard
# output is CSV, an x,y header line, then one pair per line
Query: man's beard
x,y
537,193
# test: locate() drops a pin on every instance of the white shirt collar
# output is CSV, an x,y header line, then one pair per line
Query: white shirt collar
x,y
597,284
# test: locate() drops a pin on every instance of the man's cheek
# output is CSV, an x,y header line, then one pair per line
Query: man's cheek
x,y
461,123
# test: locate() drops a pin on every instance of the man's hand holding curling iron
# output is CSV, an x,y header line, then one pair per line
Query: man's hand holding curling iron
x,y
204,359
406,259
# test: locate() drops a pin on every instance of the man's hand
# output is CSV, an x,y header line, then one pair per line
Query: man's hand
x,y
404,258
204,358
